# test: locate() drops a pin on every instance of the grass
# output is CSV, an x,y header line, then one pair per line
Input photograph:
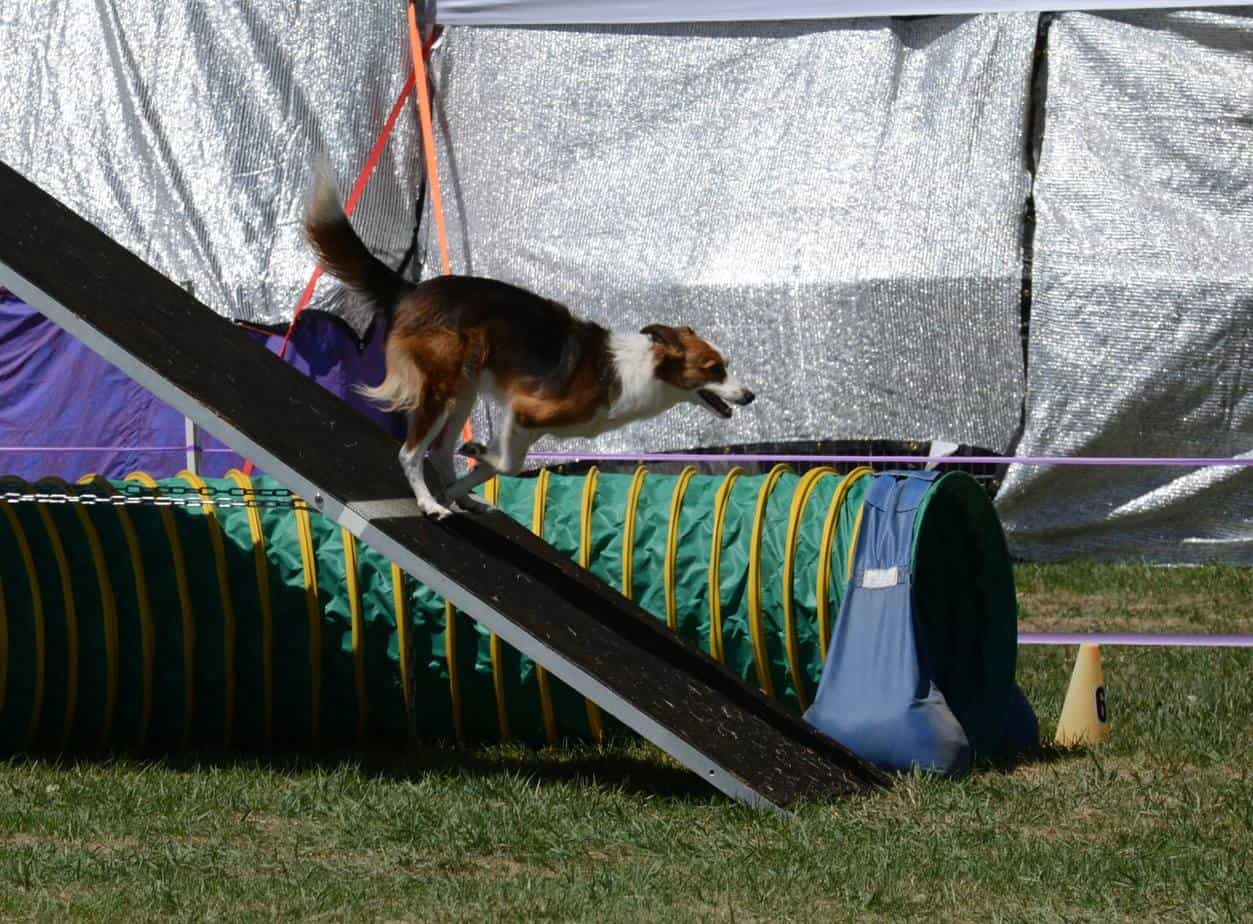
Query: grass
x,y
1090,597
1156,824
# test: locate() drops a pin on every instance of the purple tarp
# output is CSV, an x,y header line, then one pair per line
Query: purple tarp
x,y
54,392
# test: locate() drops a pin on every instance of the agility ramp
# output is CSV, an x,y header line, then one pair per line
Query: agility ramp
x,y
496,571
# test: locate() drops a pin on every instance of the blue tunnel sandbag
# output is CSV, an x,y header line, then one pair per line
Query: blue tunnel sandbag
x,y
920,672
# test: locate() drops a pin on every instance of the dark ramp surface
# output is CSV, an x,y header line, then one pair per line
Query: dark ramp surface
x,y
533,597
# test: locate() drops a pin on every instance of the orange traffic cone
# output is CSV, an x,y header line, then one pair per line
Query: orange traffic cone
x,y
1084,717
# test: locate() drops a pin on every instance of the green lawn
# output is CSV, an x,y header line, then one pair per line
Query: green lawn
x,y
1156,824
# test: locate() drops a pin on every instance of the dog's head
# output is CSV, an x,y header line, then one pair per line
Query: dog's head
x,y
695,366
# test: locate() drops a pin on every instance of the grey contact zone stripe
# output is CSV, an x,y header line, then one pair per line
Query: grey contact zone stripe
x,y
385,509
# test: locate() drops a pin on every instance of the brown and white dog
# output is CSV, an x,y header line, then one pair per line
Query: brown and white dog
x,y
453,337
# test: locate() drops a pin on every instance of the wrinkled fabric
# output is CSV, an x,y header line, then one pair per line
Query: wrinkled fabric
x,y
836,205
187,132
1141,340
54,392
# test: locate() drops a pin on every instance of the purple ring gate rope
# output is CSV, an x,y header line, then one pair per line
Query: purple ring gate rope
x,y
1135,639
1024,638
1175,461
686,457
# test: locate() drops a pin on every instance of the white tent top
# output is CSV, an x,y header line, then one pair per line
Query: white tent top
x,y
572,12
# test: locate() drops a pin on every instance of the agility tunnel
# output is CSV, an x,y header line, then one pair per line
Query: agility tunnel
x,y
229,615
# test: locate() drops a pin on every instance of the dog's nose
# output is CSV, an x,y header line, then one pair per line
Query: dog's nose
x,y
748,398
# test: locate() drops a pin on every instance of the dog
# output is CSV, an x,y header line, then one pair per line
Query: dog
x,y
451,338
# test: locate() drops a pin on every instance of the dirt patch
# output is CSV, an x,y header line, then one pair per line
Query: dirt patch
x,y
25,841
502,868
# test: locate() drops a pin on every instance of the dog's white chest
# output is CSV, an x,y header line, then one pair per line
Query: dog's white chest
x,y
642,394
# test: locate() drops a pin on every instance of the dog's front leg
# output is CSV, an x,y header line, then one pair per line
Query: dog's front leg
x,y
445,444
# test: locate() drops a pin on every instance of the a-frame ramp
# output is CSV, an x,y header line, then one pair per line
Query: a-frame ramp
x,y
533,597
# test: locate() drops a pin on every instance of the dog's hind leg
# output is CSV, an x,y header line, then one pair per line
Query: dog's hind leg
x,y
442,449
425,424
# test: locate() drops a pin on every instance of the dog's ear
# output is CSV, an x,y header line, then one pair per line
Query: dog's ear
x,y
664,336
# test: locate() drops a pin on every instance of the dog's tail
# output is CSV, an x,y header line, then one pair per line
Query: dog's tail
x,y
341,252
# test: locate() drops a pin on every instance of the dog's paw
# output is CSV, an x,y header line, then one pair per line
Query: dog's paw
x,y
433,508
472,450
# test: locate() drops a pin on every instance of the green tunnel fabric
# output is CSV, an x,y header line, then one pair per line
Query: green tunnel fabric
x,y
22,613
248,724
209,707
157,556
89,713
60,612
119,581
312,658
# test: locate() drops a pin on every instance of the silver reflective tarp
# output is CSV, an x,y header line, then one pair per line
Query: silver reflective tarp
x,y
186,130
1141,339
837,205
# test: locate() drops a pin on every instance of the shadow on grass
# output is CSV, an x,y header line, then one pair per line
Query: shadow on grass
x,y
1046,753
628,768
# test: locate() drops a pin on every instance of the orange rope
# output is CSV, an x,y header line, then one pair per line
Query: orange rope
x,y
422,88
428,134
